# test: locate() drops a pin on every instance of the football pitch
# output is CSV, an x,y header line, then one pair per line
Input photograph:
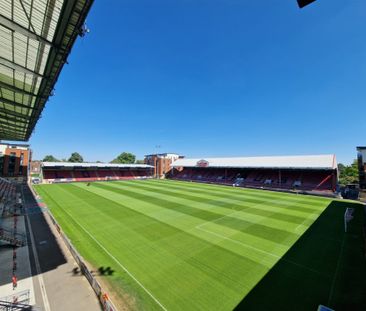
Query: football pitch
x,y
186,246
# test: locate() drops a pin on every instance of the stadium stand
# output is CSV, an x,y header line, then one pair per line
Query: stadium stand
x,y
314,173
36,39
10,206
54,172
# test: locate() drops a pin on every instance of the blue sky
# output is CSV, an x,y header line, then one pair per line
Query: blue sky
x,y
212,78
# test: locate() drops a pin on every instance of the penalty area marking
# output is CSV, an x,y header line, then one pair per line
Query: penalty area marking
x,y
234,212
306,219
244,209
118,262
260,250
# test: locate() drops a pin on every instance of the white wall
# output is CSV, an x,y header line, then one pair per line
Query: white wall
x,y
2,148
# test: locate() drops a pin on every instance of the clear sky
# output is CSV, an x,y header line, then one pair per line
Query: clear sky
x,y
212,78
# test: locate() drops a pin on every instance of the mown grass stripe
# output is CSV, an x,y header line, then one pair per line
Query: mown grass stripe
x,y
197,186
186,223
222,277
133,250
265,232
258,213
118,262
161,223
274,207
141,223
241,194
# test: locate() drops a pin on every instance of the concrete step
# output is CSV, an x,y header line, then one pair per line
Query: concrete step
x,y
9,306
12,238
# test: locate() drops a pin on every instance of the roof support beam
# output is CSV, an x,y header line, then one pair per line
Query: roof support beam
x,y
13,26
10,102
17,119
4,135
11,126
13,113
56,56
27,16
17,89
9,135
18,67
11,130
13,119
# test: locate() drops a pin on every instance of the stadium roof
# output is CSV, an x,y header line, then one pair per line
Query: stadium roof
x,y
36,37
278,162
92,165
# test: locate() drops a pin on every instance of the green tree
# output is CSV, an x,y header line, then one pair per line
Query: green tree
x,y
341,167
140,162
50,158
348,174
76,158
125,158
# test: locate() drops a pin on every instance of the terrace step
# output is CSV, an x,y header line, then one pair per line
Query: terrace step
x,y
15,239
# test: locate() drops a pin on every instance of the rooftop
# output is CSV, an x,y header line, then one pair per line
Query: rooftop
x,y
162,154
36,38
14,144
284,162
90,165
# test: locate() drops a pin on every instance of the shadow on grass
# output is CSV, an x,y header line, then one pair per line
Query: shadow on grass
x,y
105,271
325,266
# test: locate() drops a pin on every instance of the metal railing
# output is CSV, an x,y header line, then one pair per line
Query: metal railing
x,y
16,301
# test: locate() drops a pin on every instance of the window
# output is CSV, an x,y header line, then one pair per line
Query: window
x,y
11,166
1,164
21,164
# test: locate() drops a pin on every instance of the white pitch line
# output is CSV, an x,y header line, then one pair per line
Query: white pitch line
x,y
240,210
259,250
217,219
118,262
306,219
238,242
336,272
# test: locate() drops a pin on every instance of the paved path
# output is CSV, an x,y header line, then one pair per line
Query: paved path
x,y
24,292
56,287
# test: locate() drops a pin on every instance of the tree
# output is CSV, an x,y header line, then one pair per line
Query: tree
x,y
341,167
140,162
348,174
125,158
50,158
76,157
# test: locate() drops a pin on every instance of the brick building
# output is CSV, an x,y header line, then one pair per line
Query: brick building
x,y
161,162
361,157
14,160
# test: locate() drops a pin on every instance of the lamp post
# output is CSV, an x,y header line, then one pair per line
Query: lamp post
x,y
157,148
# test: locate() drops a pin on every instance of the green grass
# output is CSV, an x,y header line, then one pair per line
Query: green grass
x,y
188,246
